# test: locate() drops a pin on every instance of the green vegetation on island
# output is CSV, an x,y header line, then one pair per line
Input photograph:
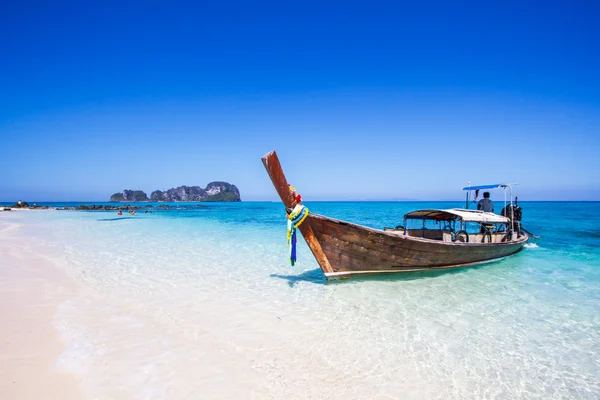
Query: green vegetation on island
x,y
129,195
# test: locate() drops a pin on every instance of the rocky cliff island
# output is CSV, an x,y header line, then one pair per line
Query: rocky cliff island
x,y
214,191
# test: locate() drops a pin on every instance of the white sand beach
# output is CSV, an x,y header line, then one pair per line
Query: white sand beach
x,y
32,287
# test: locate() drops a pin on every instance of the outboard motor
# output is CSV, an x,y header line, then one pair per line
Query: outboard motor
x,y
517,213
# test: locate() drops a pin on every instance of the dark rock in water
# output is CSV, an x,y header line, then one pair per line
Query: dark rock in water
x,y
24,204
99,207
130,195
36,207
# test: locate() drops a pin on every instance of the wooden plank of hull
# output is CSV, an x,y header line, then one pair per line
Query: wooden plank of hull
x,y
348,274
353,249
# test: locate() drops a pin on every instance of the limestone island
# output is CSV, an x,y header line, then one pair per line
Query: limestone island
x,y
214,191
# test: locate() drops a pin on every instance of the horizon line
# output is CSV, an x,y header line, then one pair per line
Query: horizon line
x,y
5,202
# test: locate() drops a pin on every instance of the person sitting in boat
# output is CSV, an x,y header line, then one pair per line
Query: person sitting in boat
x,y
486,204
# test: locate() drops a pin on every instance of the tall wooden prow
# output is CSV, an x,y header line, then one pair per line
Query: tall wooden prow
x,y
273,167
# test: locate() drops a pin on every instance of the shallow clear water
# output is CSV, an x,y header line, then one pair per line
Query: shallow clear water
x,y
202,301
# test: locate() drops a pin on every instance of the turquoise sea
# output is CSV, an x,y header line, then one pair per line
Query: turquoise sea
x,y
200,301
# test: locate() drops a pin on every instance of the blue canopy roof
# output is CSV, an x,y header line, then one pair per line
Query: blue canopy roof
x,y
495,186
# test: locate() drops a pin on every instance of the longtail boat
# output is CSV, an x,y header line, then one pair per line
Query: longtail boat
x,y
428,240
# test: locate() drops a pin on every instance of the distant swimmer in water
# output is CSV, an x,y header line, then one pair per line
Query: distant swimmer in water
x,y
119,213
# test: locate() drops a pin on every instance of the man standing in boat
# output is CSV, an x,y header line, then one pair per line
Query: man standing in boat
x,y
486,204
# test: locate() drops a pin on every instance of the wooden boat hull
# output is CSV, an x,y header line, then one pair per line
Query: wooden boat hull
x,y
353,249
344,249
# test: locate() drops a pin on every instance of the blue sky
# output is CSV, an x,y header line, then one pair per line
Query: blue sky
x,y
372,100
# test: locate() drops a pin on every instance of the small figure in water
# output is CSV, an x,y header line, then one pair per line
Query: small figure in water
x,y
119,213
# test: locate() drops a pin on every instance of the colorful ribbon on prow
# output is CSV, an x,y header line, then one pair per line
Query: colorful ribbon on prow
x,y
296,196
294,219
